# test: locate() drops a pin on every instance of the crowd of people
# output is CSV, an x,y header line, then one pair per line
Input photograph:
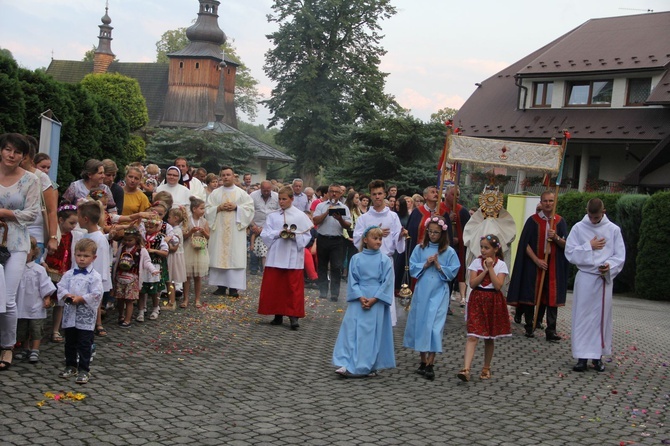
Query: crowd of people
x,y
113,246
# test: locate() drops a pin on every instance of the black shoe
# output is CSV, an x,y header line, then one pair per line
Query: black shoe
x,y
294,322
178,293
422,369
430,374
580,366
517,317
598,365
221,291
323,297
232,292
278,320
333,299
529,334
553,337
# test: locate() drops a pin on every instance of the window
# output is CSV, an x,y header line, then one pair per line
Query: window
x,y
542,94
590,93
638,91
197,65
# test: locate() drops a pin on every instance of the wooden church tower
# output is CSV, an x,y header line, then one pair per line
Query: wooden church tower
x,y
201,82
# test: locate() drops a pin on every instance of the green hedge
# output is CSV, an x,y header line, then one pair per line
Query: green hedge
x,y
572,206
629,215
654,242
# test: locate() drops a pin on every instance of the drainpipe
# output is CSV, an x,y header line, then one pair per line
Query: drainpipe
x,y
517,82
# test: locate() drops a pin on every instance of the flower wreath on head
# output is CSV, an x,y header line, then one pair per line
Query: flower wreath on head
x,y
67,207
437,220
492,240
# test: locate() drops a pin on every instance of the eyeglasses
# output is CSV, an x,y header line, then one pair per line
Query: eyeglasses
x,y
434,232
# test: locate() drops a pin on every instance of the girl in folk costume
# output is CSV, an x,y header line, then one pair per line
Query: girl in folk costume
x,y
60,261
486,311
365,342
286,233
196,255
132,267
434,264
176,264
157,247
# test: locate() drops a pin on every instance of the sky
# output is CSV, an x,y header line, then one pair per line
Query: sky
x,y
436,49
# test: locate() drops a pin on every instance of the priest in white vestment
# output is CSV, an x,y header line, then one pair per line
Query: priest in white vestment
x,y
229,211
596,247
393,232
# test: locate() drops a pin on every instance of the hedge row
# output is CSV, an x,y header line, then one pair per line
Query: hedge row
x,y
652,266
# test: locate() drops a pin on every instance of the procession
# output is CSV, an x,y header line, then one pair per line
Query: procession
x,y
368,263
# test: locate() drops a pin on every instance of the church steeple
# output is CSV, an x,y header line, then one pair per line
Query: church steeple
x,y
104,56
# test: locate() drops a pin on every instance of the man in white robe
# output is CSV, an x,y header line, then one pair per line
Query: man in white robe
x,y
229,211
596,247
393,232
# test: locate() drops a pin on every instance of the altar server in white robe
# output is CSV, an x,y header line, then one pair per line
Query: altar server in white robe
x,y
229,211
393,232
596,247
285,233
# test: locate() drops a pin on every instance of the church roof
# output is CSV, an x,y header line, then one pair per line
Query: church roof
x,y
152,77
263,151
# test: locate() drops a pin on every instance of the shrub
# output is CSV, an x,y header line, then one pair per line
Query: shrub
x,y
629,215
654,241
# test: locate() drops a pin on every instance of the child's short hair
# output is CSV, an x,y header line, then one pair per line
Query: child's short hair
x,y
165,197
86,245
373,231
286,190
152,169
91,210
34,249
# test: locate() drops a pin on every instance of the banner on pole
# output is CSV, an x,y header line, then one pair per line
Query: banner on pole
x,y
501,153
50,142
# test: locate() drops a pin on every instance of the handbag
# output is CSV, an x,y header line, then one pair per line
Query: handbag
x,y
4,252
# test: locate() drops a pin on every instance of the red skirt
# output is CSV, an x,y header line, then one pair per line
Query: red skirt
x,y
487,315
282,292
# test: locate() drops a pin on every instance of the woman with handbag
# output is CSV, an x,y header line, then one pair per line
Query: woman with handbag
x,y
19,206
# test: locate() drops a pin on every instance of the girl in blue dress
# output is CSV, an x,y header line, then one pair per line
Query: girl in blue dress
x,y
434,264
365,342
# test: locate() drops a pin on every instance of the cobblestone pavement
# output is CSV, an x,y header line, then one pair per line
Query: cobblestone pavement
x,y
224,375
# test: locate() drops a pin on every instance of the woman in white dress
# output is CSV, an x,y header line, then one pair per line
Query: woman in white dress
x,y
19,206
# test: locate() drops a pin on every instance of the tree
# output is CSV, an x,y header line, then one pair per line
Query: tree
x,y
12,102
126,94
325,63
443,115
246,87
202,148
122,90
401,149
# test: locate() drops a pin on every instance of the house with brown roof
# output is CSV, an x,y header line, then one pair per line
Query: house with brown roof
x,y
607,82
195,89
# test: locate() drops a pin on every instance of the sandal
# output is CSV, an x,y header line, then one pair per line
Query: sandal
x,y
57,337
6,356
486,373
198,305
464,375
100,331
183,305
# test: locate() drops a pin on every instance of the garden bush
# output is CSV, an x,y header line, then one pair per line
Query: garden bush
x,y
629,215
654,241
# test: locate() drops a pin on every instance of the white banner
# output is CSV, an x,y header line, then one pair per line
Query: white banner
x,y
500,153
50,142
